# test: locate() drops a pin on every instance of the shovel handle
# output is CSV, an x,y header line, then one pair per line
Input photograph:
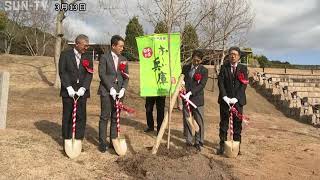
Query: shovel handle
x,y
118,115
74,116
231,123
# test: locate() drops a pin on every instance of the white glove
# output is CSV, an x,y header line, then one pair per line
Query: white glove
x,y
113,93
71,91
233,101
188,95
81,91
227,100
121,93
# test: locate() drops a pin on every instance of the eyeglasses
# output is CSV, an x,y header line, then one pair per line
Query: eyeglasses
x,y
234,54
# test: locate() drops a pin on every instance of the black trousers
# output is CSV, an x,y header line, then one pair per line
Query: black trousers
x,y
81,117
224,123
160,102
108,111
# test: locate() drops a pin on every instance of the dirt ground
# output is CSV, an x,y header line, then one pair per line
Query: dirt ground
x,y
274,146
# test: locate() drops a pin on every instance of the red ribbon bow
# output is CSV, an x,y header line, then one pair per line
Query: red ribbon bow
x,y
123,107
234,112
85,64
242,117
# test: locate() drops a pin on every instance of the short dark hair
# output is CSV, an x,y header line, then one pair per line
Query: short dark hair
x,y
115,39
80,37
197,53
234,48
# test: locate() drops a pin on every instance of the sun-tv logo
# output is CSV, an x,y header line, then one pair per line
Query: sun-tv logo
x,y
25,5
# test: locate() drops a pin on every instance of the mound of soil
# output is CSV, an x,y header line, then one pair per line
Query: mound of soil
x,y
172,164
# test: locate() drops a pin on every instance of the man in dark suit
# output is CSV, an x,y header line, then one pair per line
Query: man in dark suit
x,y
231,91
114,77
160,102
195,79
75,70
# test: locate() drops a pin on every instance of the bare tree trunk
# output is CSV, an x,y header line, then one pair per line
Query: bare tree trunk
x,y
57,50
222,57
29,46
37,43
7,45
169,25
44,44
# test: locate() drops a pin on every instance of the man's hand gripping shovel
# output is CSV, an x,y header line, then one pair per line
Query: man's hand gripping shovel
x,y
191,121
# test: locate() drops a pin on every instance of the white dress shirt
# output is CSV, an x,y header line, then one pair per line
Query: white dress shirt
x,y
78,58
233,65
115,59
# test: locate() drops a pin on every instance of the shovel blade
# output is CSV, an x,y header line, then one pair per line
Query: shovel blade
x,y
120,146
196,126
72,147
231,148
189,120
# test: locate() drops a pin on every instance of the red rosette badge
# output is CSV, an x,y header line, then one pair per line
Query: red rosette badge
x,y
85,64
242,79
198,77
122,68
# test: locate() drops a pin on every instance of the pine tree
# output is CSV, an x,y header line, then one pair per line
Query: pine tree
x,y
3,20
189,41
161,27
133,30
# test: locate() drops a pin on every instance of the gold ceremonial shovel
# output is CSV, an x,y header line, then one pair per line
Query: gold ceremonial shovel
x,y
231,147
119,144
192,122
73,146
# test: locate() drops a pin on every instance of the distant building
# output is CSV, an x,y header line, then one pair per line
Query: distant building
x,y
96,50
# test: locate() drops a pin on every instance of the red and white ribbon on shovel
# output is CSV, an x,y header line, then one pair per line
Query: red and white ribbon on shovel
x,y
231,123
234,111
119,106
193,124
118,114
182,95
242,117
74,116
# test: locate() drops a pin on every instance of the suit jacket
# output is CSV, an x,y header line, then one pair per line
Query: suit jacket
x,y
108,74
192,85
69,73
230,86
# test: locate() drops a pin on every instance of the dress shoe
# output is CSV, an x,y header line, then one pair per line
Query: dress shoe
x,y
201,144
148,130
198,147
239,153
103,148
221,150
111,146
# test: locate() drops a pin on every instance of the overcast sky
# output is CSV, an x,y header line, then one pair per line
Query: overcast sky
x,y
287,30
